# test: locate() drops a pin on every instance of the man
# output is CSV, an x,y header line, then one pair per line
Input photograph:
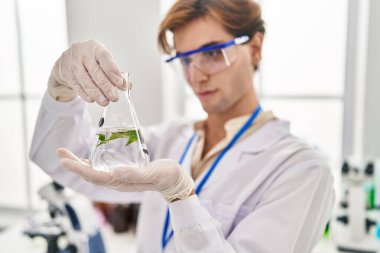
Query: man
x,y
257,188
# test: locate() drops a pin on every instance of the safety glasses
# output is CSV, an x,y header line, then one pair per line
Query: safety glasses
x,y
209,59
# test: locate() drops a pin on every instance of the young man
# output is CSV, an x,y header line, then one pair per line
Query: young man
x,y
257,188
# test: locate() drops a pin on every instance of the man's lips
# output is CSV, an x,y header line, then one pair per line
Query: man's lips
x,y
205,94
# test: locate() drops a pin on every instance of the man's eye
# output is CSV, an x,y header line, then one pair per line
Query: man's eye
x,y
185,60
212,53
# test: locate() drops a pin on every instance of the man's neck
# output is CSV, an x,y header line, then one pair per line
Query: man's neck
x,y
215,123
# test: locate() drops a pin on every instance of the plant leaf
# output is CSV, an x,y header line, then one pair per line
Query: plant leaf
x,y
102,137
132,137
117,135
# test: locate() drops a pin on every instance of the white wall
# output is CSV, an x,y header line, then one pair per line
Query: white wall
x,y
371,126
301,77
33,37
128,29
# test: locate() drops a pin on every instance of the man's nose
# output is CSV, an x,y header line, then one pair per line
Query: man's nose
x,y
196,75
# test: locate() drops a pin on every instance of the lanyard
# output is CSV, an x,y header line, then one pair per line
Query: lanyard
x,y
165,237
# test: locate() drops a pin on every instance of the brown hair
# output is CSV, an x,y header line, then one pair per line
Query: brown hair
x,y
238,17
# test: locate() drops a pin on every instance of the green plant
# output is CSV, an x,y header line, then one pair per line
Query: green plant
x,y
131,135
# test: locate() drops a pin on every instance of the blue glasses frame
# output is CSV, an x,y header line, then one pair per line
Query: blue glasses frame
x,y
236,41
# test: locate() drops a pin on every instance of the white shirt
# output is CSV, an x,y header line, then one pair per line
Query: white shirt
x,y
270,193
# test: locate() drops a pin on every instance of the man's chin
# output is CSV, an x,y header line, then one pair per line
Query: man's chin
x,y
213,109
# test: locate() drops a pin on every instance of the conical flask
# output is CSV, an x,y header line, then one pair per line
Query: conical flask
x,y
119,138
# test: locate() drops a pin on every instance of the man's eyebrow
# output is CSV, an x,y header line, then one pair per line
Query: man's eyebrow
x,y
204,45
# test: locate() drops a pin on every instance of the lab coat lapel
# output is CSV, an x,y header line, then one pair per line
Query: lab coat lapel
x,y
186,164
180,147
257,142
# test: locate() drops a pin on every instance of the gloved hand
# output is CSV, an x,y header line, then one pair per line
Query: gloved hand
x,y
165,176
86,69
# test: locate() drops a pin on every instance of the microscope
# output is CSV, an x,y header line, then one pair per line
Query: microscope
x,y
356,223
72,225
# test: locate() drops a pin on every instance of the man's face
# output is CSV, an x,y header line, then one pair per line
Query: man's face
x,y
223,90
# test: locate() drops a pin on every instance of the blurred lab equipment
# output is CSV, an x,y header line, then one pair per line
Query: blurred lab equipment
x,y
356,219
72,222
121,217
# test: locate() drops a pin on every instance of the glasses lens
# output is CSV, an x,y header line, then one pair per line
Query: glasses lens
x,y
208,62
213,61
178,68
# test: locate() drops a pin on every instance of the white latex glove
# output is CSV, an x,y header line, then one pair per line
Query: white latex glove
x,y
86,69
165,176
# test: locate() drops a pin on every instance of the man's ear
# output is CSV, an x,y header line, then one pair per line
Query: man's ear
x,y
255,45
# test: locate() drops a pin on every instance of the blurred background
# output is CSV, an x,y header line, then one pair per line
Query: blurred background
x,y
320,70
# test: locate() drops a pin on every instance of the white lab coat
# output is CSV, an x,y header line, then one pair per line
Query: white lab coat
x,y
270,193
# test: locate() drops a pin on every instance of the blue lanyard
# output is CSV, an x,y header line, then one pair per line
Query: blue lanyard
x,y
242,130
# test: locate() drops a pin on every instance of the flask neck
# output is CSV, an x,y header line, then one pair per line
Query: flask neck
x,y
118,114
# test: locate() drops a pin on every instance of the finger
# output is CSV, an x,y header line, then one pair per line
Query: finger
x,y
85,160
84,95
109,66
100,79
84,79
76,86
84,170
65,61
65,153
91,89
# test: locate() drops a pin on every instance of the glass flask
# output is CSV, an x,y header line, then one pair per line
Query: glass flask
x,y
119,141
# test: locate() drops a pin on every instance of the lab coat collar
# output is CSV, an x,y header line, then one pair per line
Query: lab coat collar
x,y
266,136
